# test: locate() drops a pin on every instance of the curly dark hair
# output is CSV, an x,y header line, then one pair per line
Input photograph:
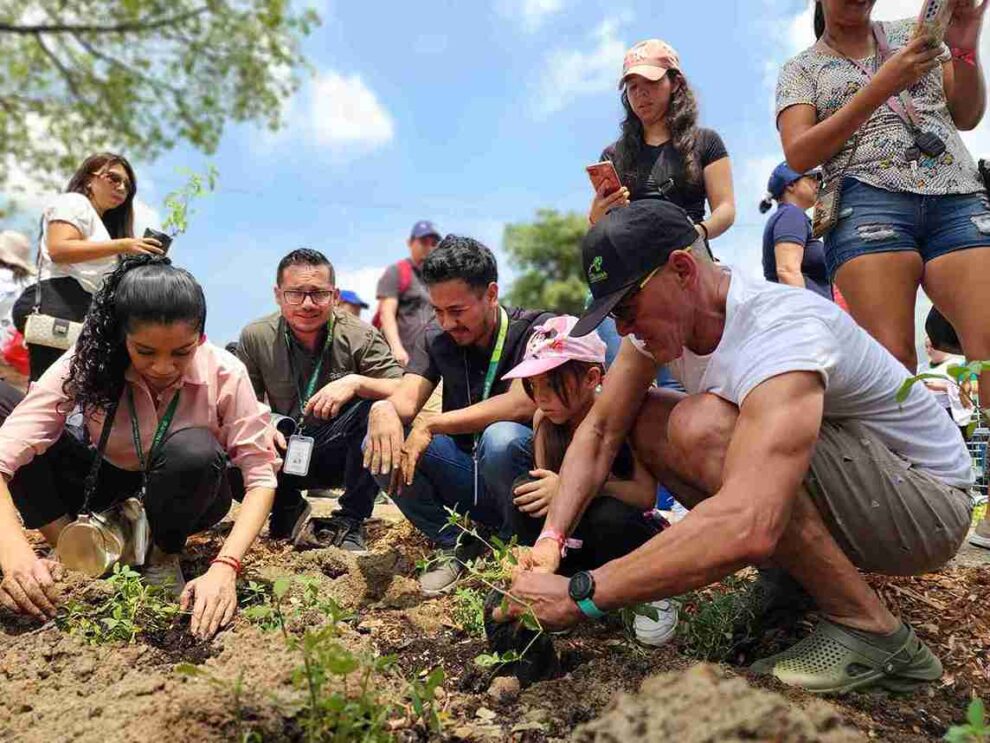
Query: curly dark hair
x,y
682,121
141,289
463,258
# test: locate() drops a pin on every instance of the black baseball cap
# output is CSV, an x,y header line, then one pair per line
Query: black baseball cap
x,y
623,247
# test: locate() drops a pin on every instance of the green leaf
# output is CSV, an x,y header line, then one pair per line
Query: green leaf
x,y
530,622
905,388
188,669
280,587
975,714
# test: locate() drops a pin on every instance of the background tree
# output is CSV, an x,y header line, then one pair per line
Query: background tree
x,y
138,76
548,255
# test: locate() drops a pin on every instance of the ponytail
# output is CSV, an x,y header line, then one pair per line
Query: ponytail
x,y
766,203
141,289
819,19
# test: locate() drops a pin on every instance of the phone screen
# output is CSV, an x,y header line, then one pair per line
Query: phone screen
x,y
603,173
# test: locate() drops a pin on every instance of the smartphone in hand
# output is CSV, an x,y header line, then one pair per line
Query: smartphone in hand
x,y
161,237
933,19
603,173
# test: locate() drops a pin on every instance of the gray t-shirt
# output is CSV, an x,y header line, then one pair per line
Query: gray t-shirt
x,y
819,77
415,310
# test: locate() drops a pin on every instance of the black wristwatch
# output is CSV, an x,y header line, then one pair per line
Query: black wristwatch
x,y
581,589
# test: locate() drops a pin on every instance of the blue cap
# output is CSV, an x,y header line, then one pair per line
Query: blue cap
x,y
424,228
346,295
783,176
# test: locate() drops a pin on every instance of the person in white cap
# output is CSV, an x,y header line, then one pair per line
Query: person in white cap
x,y
562,374
15,271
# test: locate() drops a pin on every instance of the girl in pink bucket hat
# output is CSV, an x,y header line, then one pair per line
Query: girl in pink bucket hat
x,y
562,375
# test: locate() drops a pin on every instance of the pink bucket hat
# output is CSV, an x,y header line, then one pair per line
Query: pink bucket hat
x,y
651,59
552,345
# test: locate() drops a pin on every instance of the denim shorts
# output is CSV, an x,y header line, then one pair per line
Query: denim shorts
x,y
874,220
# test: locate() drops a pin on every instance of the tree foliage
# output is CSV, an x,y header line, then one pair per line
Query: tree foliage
x,y
138,76
548,254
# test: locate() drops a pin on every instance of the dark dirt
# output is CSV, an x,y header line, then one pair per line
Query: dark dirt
x,y
53,687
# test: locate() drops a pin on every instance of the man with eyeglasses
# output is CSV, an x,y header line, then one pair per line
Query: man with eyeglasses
x,y
792,447
319,367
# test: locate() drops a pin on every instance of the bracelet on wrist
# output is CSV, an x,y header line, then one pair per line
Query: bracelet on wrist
x,y
704,228
563,542
230,562
967,56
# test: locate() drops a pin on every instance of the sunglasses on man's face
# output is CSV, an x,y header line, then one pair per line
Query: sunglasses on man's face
x,y
622,312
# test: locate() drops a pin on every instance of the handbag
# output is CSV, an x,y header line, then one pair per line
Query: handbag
x,y
47,330
95,541
826,212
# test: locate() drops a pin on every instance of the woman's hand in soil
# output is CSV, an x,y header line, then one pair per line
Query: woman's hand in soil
x,y
911,63
28,585
416,443
385,438
601,204
963,31
213,596
546,596
139,246
533,498
328,400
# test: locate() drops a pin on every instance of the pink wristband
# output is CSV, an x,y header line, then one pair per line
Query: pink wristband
x,y
964,55
564,542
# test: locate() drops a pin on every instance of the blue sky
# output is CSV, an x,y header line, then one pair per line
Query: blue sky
x,y
473,115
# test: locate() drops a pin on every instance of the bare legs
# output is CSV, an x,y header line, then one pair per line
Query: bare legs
x,y
683,442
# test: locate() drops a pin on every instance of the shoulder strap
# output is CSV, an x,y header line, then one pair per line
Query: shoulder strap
x,y
94,470
37,283
405,274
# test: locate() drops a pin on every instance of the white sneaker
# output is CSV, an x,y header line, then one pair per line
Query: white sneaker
x,y
656,632
165,572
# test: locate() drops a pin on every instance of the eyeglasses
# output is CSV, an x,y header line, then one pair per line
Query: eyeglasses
x,y
622,312
116,179
320,298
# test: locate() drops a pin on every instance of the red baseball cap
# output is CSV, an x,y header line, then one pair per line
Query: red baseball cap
x,y
651,59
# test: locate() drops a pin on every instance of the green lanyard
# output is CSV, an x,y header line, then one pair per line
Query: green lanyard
x,y
163,426
301,395
493,362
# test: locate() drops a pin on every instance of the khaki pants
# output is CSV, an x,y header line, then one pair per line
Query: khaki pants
x,y
887,516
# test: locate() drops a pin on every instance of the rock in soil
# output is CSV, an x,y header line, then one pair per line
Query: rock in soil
x,y
504,689
705,703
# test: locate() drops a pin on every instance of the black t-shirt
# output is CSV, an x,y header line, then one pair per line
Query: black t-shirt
x,y
644,182
462,369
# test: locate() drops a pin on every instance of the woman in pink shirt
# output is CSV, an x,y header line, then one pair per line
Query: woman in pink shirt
x,y
180,410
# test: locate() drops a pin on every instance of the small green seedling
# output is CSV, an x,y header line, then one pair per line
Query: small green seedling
x,y
976,729
177,202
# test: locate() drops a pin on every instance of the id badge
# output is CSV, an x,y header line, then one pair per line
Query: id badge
x,y
298,453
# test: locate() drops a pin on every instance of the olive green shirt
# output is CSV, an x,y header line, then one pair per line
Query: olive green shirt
x,y
356,348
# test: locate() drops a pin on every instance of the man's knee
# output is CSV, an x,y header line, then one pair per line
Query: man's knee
x,y
700,425
504,442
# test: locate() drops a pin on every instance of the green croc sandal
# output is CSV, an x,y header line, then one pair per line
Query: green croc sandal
x,y
833,660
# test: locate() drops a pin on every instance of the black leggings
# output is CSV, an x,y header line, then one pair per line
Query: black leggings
x,y
63,298
608,529
189,485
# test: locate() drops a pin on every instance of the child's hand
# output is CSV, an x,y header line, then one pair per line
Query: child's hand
x,y
533,498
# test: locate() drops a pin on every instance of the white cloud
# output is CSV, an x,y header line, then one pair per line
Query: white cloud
x,y
571,73
344,112
530,14
334,112
363,281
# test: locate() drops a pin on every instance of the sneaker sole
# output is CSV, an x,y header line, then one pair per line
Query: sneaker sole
x,y
977,541
300,523
440,591
658,640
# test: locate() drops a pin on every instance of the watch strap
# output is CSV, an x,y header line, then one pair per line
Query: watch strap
x,y
588,608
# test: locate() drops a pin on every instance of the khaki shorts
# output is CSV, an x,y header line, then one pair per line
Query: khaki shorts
x,y
887,516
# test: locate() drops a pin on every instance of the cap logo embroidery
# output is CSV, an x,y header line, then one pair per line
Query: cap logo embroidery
x,y
595,272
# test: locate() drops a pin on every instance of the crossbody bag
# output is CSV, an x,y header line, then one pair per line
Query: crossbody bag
x,y
47,330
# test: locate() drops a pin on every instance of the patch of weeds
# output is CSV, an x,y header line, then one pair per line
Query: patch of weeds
x,y
469,610
133,608
976,729
344,699
715,621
